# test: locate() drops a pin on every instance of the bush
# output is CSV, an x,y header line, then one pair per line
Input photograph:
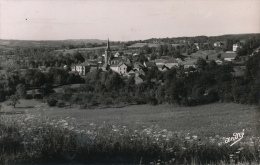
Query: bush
x,y
152,101
60,104
28,97
52,102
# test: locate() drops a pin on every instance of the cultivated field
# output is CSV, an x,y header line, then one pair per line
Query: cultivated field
x,y
212,54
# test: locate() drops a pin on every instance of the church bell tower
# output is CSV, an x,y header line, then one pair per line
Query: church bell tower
x,y
107,54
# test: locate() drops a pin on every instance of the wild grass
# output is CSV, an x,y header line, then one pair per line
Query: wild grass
x,y
39,139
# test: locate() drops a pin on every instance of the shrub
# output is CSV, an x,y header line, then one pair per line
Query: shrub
x,y
28,97
52,102
60,104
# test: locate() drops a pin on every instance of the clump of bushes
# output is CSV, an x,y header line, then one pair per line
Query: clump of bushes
x,y
52,102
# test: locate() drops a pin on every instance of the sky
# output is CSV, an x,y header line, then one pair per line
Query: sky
x,y
124,20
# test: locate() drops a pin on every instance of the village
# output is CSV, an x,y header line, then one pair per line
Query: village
x,y
120,62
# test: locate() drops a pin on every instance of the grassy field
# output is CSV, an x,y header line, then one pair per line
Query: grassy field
x,y
208,120
138,134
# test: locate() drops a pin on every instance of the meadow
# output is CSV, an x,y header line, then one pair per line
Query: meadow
x,y
138,134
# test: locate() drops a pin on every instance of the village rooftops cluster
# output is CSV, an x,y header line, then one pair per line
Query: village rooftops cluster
x,y
120,63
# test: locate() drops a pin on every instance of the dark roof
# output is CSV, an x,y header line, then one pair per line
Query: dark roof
x,y
116,59
161,66
150,64
138,64
160,61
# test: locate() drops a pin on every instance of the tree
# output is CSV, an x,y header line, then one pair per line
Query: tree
x,y
108,101
21,90
201,64
14,100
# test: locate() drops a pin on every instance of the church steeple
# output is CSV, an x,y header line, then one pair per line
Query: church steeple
x,y
107,54
108,45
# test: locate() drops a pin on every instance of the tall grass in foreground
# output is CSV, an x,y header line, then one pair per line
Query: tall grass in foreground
x,y
37,139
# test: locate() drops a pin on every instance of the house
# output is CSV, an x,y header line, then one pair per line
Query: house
x,y
255,51
172,63
138,65
189,63
131,73
229,56
197,45
236,45
218,44
44,69
139,73
118,60
117,54
120,68
149,64
84,68
138,80
160,61
162,68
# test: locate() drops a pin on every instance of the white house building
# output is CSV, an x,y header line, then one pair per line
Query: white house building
x,y
236,45
120,68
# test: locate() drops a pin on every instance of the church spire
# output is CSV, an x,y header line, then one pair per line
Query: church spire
x,y
108,46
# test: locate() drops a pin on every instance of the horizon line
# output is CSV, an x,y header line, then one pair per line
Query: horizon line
x,y
127,40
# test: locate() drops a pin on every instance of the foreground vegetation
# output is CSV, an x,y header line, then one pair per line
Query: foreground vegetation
x,y
63,135
31,139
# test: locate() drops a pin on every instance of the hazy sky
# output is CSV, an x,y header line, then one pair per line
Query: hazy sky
x,y
125,20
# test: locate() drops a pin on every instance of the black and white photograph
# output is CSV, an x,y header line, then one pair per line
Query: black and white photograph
x,y
142,82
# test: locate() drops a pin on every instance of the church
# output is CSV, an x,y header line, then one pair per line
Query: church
x,y
107,58
117,64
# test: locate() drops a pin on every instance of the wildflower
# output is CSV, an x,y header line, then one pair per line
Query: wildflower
x,y
187,138
65,124
195,137
241,148
115,130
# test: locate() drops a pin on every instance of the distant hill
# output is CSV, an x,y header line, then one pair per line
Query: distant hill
x,y
9,44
